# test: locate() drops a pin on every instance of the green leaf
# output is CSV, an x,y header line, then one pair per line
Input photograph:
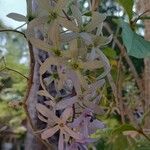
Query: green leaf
x,y
122,128
127,5
135,44
17,17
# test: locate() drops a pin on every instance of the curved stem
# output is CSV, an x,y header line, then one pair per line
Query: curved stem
x,y
11,30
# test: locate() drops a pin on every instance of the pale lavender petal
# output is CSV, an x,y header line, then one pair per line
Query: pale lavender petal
x,y
66,37
64,103
72,133
73,146
97,124
77,14
49,132
76,82
86,38
96,108
97,84
85,127
66,114
77,121
61,141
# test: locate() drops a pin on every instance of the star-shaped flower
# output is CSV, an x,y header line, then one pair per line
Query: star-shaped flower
x,y
59,124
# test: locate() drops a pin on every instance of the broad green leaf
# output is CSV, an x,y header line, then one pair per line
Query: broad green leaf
x,y
127,5
135,44
119,142
17,17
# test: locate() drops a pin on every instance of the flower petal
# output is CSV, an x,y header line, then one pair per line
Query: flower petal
x,y
97,19
86,38
53,34
82,80
66,102
49,132
37,22
76,82
77,14
102,40
42,118
105,62
61,141
72,133
67,37
44,4
97,124
47,64
40,44
77,121
91,65
96,108
44,110
66,114
61,4
68,24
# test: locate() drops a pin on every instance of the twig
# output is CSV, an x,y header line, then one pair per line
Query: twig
x,y
10,30
114,88
119,92
128,60
95,4
30,82
17,72
7,68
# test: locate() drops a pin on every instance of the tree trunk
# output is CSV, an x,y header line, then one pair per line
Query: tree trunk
x,y
144,6
33,141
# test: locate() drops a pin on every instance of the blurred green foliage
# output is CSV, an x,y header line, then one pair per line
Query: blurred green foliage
x,y
14,56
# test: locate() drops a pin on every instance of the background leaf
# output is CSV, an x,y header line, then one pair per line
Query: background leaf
x,y
135,44
127,5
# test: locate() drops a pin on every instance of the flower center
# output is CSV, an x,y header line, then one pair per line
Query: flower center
x,y
52,16
61,125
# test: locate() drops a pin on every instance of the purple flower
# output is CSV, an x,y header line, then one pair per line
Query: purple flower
x,y
87,124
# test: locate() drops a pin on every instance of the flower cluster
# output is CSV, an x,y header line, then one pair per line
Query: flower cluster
x,y
73,46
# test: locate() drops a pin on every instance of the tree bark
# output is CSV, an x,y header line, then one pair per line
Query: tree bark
x,y
144,6
33,141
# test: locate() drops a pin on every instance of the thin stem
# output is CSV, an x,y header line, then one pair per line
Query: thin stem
x,y
17,72
95,4
119,92
7,68
10,30
140,131
128,60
